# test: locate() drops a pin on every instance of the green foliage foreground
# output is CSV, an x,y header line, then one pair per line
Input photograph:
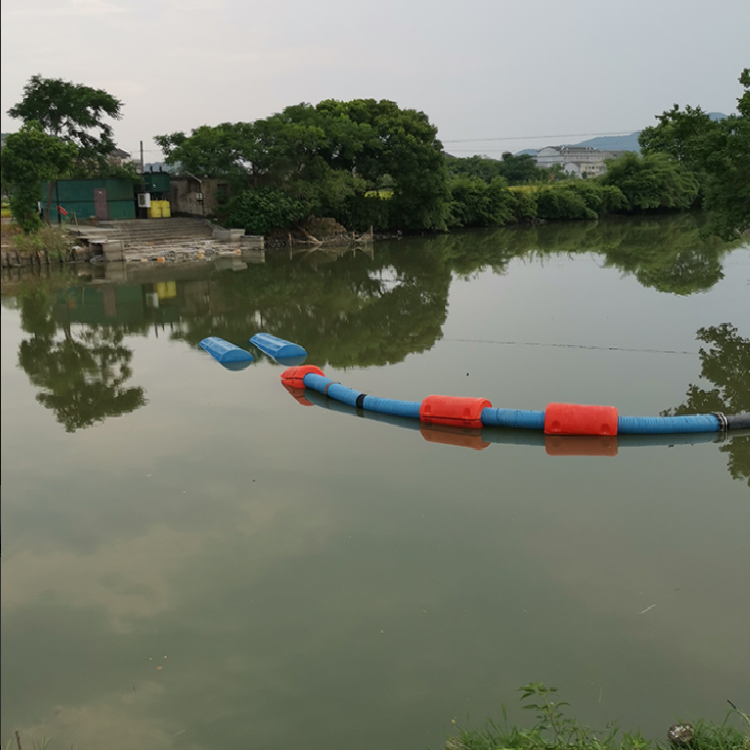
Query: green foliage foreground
x,y
553,730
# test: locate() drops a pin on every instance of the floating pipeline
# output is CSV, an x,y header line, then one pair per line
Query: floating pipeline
x,y
479,439
558,420
227,354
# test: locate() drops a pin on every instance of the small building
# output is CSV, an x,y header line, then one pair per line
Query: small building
x,y
196,196
118,157
86,199
158,184
582,161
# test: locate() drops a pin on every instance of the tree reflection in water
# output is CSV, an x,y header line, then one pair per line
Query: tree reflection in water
x,y
82,374
725,363
363,309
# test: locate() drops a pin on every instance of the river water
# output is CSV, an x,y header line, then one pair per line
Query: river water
x,y
193,559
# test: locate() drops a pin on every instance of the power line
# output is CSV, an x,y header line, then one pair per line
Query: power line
x,y
501,138
537,137
573,346
474,150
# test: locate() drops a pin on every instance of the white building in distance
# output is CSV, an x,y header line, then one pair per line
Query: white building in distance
x,y
577,160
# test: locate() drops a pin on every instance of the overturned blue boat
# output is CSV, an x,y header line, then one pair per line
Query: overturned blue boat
x,y
227,354
285,352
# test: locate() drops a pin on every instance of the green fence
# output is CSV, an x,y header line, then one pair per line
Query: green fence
x,y
76,197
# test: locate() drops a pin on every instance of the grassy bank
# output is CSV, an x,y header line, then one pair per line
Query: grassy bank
x,y
554,729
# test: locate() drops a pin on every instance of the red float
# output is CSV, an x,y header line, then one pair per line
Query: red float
x,y
295,376
578,419
580,445
453,410
462,437
297,393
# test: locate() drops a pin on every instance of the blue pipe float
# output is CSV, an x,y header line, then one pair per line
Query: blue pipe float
x,y
479,439
227,354
473,413
281,350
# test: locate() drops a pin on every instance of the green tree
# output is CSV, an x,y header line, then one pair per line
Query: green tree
x,y
227,151
726,159
70,111
260,211
676,133
476,203
652,182
717,152
563,202
329,157
516,170
520,170
482,167
31,157
74,114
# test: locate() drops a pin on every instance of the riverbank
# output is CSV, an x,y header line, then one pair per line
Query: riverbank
x,y
554,729
179,239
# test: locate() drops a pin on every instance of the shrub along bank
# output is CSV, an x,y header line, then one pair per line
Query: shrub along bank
x,y
475,203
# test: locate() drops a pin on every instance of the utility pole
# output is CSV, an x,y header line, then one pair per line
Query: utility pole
x,y
142,211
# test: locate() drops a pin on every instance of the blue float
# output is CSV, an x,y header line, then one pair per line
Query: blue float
x,y
236,366
229,355
282,351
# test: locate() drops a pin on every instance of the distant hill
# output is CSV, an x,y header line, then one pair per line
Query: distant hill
x,y
603,143
614,142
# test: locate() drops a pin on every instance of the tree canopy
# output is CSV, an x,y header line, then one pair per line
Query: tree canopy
x,y
30,157
717,152
63,130
677,133
516,170
70,111
654,181
333,158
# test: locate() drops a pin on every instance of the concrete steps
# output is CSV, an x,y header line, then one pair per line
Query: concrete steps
x,y
140,232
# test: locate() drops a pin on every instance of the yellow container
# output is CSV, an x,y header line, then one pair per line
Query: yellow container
x,y
155,211
166,289
166,210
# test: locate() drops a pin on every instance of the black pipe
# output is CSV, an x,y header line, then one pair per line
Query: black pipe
x,y
739,421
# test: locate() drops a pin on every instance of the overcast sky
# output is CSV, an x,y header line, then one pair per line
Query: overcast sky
x,y
478,68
